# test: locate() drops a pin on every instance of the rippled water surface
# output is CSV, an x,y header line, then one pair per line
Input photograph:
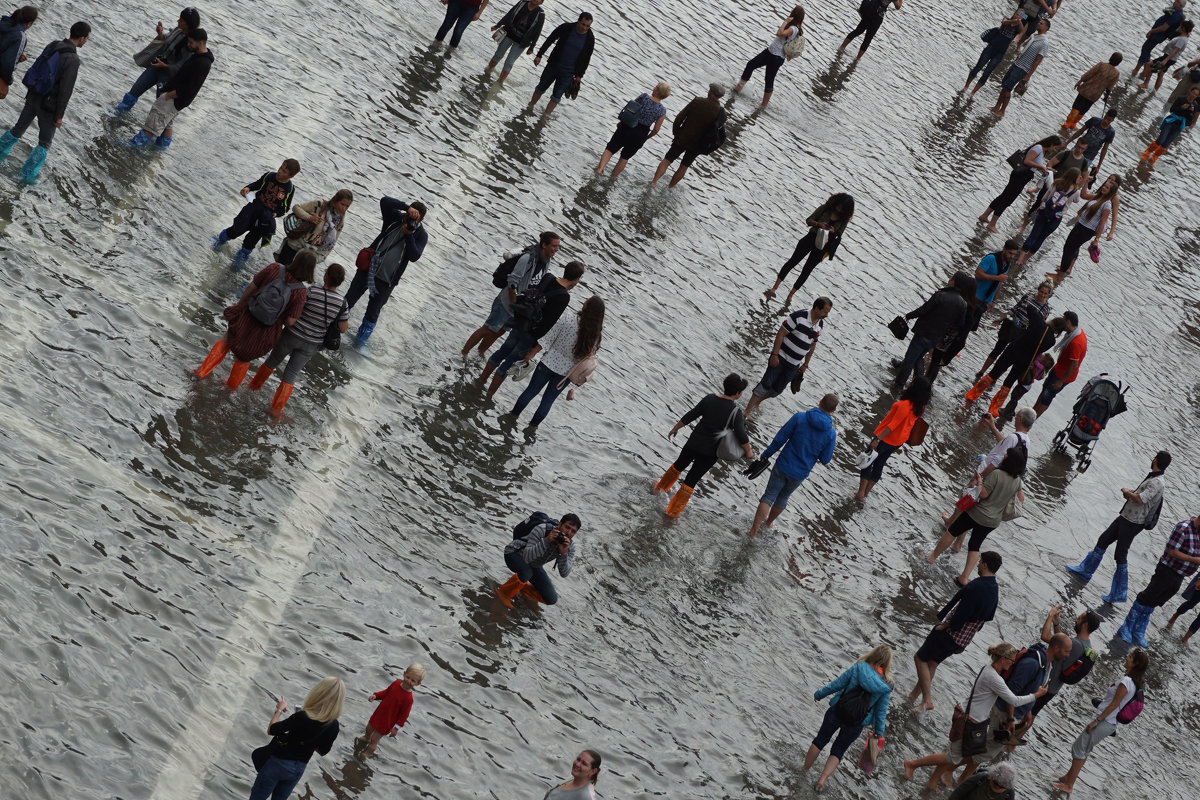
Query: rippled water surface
x,y
174,557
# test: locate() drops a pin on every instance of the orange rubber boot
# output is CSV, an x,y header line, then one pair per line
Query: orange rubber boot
x,y
260,377
1158,151
280,400
667,480
981,386
237,374
531,594
1072,118
998,401
509,590
679,500
1148,152
214,357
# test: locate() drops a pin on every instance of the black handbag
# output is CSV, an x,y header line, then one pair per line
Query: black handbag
x,y
898,327
259,756
333,334
973,734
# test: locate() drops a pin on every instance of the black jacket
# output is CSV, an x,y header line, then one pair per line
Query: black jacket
x,y
942,313
558,38
532,32
187,81
56,99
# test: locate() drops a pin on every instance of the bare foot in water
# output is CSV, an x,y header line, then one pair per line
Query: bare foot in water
x,y
909,771
1062,787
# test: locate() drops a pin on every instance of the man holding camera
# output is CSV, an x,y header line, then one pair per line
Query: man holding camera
x,y
399,243
526,556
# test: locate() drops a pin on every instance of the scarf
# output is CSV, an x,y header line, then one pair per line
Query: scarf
x,y
1061,344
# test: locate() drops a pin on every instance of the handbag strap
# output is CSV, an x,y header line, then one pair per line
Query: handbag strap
x,y
971,696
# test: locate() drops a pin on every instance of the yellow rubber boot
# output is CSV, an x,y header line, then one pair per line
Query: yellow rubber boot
x,y
215,356
667,480
237,374
998,401
679,500
981,386
260,377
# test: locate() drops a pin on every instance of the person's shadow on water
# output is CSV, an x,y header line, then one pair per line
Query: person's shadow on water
x,y
356,776
419,75
827,83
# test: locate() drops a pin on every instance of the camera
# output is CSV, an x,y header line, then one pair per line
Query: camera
x,y
561,538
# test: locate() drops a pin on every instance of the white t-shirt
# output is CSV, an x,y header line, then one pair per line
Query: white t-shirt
x,y
1093,220
1039,155
1130,688
990,687
997,453
1179,41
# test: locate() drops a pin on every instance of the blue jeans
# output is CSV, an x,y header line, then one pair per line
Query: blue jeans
x,y
152,77
277,779
514,52
459,15
515,346
780,488
917,349
542,376
989,59
535,575
1168,133
499,317
376,302
1043,226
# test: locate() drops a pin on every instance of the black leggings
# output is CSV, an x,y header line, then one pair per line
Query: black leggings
x,y
701,463
979,532
1014,359
764,59
1002,338
869,26
1123,532
1187,606
1075,239
256,221
805,247
1016,182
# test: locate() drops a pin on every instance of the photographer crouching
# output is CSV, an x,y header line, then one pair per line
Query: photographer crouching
x,y
537,541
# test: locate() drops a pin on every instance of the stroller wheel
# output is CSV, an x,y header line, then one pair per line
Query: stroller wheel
x,y
1084,464
1059,438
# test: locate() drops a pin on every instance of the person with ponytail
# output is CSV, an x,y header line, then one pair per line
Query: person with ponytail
x,y
893,431
860,699
1104,724
582,786
569,349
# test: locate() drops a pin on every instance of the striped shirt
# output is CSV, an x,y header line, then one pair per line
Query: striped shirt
x,y
802,335
321,308
1038,46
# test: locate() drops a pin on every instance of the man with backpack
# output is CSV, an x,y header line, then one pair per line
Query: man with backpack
x,y
537,541
698,130
177,93
49,82
400,242
513,278
536,312
1074,667
1140,513
1180,559
1031,669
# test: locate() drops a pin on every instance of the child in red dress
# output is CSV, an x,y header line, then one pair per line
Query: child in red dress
x,y
394,704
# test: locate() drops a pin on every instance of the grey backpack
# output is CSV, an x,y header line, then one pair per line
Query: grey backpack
x,y
268,303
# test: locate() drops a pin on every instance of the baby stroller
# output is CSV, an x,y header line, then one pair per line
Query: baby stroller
x,y
1100,400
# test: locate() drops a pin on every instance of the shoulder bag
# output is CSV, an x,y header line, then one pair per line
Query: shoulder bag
x,y
1014,507
972,734
916,436
728,446
333,333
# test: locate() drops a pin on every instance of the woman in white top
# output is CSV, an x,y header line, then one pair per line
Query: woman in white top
x,y
1105,722
1035,159
1062,194
1090,223
584,772
569,349
773,57
987,689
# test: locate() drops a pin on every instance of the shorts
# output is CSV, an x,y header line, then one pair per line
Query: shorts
x,y
938,646
499,317
161,115
678,149
846,734
780,488
979,532
1081,748
1011,78
628,140
1049,392
776,379
561,80
1158,65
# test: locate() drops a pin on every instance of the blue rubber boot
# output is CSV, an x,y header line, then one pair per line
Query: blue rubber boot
x,y
1133,630
140,139
1085,569
364,333
162,142
127,102
33,165
7,141
219,240
1119,592
241,257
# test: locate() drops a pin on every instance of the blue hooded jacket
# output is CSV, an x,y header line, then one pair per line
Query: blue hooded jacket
x,y
805,438
861,674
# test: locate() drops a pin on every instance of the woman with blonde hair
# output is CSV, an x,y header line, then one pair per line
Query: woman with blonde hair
x,y
313,728
314,226
860,698
569,358
989,686
640,120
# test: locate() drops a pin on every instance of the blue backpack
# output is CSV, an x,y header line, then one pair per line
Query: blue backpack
x,y
41,77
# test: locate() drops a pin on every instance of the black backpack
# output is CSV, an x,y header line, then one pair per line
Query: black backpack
x,y
42,76
872,8
714,138
1076,671
501,273
852,707
1152,517
530,306
526,526
268,303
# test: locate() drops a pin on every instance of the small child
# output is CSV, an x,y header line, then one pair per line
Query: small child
x,y
272,199
394,704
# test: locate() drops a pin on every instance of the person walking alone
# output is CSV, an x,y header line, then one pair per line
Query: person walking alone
x,y
860,699
522,26
825,229
870,13
893,432
805,439
774,55
459,14
573,43
634,130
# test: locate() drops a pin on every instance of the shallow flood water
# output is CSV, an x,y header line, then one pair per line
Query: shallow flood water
x,y
175,558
